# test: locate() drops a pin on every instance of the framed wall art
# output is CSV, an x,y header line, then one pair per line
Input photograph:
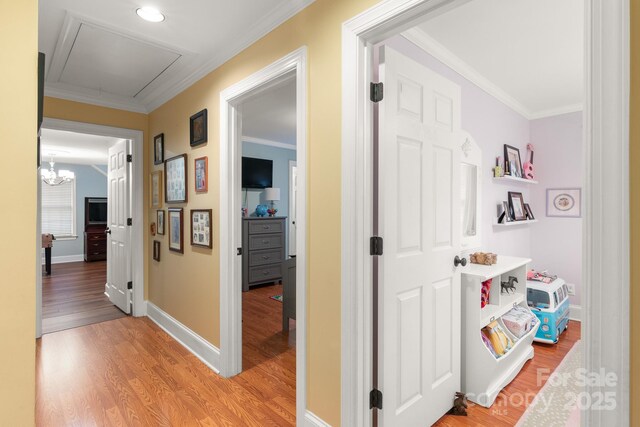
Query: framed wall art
x,y
564,202
202,180
201,228
198,128
156,250
175,179
160,222
176,238
158,149
155,189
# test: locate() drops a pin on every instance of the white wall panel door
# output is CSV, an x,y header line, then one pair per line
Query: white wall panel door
x,y
419,219
118,237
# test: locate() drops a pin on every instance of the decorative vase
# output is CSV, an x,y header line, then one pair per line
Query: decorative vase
x,y
261,210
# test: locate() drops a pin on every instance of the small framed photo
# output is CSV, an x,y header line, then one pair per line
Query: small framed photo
x,y
176,225
564,202
158,149
516,205
512,161
155,190
198,128
175,179
201,168
508,215
160,222
156,250
527,208
201,228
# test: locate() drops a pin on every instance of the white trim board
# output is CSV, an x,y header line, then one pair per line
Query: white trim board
x,y
575,313
63,259
606,248
268,142
427,43
198,346
312,420
293,64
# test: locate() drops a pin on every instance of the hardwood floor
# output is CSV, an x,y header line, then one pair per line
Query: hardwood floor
x,y
129,372
73,295
509,405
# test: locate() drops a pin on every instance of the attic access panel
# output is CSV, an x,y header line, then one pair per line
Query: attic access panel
x,y
113,63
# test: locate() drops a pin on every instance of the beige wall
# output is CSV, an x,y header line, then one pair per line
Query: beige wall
x,y
187,286
18,117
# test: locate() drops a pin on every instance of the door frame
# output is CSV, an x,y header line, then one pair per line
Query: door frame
x,y
136,194
292,164
293,64
606,142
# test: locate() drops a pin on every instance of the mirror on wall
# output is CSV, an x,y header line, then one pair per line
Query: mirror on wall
x,y
470,191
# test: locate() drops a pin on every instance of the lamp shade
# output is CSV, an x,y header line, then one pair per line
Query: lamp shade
x,y
272,194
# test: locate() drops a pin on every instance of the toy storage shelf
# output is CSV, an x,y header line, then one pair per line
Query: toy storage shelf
x,y
512,223
484,375
509,178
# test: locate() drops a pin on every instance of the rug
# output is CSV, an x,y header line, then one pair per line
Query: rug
x,y
277,297
555,404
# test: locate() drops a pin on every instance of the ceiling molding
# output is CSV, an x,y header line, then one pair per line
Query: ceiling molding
x,y
268,142
88,96
557,111
100,170
267,24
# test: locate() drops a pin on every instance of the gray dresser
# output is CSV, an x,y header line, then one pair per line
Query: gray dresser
x,y
263,245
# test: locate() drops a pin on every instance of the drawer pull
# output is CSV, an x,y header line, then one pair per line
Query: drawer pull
x,y
266,227
265,241
266,273
265,257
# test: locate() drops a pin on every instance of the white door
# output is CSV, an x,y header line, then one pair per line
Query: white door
x,y
419,220
293,189
118,237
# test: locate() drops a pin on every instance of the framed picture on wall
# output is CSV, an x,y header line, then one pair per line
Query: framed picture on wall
x,y
564,202
176,238
160,221
201,228
198,128
155,189
156,250
158,149
175,179
201,170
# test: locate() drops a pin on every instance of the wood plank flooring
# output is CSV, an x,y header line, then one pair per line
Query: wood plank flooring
x,y
73,295
129,372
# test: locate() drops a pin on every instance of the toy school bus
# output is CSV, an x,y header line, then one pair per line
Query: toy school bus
x,y
550,303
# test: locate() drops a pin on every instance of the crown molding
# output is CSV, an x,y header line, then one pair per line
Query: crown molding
x,y
86,96
268,142
574,108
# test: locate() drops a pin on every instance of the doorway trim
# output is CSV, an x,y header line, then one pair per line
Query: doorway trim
x,y
137,207
293,64
606,142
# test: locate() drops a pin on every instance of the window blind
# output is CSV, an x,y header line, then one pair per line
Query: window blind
x,y
58,209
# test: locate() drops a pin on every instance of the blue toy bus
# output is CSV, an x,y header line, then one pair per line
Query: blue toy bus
x,y
550,303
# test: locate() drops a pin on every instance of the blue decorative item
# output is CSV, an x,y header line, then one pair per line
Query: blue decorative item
x,y
261,210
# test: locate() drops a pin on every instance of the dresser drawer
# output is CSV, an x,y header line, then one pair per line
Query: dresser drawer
x,y
96,245
266,226
268,272
96,236
266,241
265,257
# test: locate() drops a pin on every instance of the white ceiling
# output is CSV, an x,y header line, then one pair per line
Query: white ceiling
x,y
102,53
75,148
532,50
271,115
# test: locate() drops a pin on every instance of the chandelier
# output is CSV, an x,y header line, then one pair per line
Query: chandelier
x,y
50,176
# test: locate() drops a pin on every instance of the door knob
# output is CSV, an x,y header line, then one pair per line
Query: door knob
x,y
107,231
457,261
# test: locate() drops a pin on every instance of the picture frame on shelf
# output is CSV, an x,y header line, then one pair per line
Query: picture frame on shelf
x,y
564,202
516,206
160,222
158,149
201,167
176,227
155,190
508,216
512,161
529,212
201,229
175,179
156,250
198,128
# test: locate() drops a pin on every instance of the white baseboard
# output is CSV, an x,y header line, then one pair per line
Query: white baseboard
x,y
64,259
312,420
575,313
202,349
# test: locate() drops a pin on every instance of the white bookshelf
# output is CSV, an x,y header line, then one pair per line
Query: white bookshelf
x,y
484,375
513,223
509,178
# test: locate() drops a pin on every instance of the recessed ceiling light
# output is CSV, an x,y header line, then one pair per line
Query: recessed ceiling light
x,y
150,14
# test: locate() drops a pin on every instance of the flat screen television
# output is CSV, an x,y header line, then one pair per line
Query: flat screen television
x,y
257,173
96,210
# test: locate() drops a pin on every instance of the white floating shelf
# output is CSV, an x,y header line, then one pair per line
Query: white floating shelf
x,y
510,178
509,224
